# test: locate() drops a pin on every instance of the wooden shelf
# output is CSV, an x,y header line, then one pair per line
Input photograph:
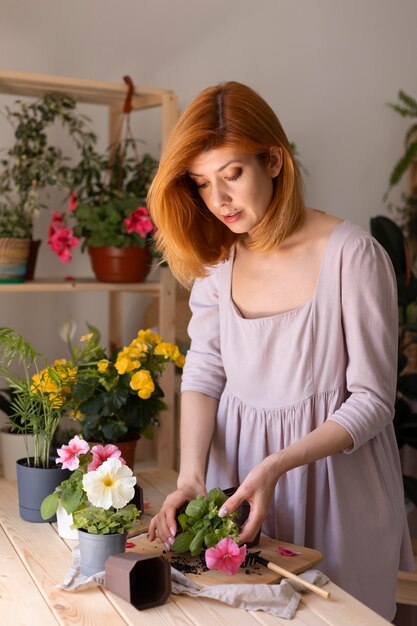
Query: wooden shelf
x,y
113,96
45,285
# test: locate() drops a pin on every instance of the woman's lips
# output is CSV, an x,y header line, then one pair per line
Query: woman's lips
x,y
233,217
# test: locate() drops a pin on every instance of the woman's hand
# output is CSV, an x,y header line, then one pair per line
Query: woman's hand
x,y
258,489
164,524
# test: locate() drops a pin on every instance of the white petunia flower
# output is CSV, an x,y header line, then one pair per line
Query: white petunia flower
x,y
110,485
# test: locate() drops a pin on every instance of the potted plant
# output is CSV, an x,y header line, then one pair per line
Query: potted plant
x,y
109,214
31,165
202,529
13,444
103,514
78,457
41,396
118,400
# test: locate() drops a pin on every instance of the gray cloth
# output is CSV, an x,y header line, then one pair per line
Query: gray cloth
x,y
281,600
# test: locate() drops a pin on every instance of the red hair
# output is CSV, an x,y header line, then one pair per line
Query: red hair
x,y
189,237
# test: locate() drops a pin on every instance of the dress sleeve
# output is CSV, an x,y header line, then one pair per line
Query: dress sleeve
x,y
370,324
203,370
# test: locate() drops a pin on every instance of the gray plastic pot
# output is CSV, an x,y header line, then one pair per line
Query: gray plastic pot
x,y
34,484
96,549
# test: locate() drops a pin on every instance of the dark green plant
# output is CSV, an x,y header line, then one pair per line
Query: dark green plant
x,y
120,398
407,107
201,526
42,394
33,163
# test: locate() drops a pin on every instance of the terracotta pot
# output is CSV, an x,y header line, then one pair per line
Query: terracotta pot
x,y
128,449
120,265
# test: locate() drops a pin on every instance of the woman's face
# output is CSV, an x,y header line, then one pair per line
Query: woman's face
x,y
235,186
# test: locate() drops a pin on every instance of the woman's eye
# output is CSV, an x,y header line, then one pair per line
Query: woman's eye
x,y
201,185
236,175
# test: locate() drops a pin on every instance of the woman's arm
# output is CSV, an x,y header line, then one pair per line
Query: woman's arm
x,y
258,486
198,413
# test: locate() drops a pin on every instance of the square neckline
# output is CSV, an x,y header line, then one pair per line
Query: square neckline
x,y
294,310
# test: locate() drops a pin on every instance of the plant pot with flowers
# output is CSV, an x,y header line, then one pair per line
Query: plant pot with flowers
x,y
41,396
119,399
108,213
78,457
98,495
31,166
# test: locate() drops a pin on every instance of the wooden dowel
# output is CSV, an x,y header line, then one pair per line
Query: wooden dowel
x,y
286,574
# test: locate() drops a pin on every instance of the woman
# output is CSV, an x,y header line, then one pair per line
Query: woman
x,y
289,384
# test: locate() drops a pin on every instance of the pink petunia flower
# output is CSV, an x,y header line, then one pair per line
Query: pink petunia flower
x,y
102,453
57,222
226,556
72,202
62,241
68,454
139,222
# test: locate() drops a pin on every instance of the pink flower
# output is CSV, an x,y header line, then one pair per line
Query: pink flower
x,y
226,556
57,222
62,241
72,202
68,454
102,453
139,222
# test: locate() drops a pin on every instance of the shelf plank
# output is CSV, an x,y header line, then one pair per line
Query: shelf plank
x,y
78,284
91,91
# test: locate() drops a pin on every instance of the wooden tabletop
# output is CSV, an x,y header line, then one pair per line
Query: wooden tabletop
x,y
34,559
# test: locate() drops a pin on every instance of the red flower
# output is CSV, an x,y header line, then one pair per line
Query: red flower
x,y
139,222
72,202
62,241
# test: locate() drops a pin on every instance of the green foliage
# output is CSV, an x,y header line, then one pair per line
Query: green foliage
x,y
42,394
109,407
201,526
98,521
69,494
34,163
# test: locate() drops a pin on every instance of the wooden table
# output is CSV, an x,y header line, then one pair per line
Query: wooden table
x,y
34,559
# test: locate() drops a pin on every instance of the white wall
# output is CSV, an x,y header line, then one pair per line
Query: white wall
x,y
327,67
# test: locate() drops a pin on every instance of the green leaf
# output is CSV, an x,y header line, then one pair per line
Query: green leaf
x,y
182,542
197,508
49,506
197,543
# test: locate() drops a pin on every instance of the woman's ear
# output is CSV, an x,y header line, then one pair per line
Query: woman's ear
x,y
275,161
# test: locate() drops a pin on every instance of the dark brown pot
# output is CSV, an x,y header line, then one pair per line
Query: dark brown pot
x,y
33,256
128,449
120,265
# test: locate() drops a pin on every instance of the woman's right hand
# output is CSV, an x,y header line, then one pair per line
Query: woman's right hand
x,y
164,524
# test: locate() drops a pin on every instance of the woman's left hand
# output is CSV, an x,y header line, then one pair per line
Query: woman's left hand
x,y
258,489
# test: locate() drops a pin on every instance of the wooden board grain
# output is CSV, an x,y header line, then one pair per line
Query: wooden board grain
x,y
255,574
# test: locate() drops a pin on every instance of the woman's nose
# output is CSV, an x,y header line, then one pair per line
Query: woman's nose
x,y
219,197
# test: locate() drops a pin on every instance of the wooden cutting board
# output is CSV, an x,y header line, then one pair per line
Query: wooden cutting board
x,y
252,574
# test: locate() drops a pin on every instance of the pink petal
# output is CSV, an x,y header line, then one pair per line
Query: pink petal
x,y
286,551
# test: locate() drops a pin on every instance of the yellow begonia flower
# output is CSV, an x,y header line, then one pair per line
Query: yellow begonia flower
x,y
103,365
124,364
147,336
142,383
86,337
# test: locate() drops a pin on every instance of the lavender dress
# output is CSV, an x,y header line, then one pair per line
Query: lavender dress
x,y
280,377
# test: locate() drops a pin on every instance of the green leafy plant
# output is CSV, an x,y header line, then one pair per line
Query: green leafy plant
x,y
108,207
201,526
43,393
120,398
34,163
406,107
99,521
